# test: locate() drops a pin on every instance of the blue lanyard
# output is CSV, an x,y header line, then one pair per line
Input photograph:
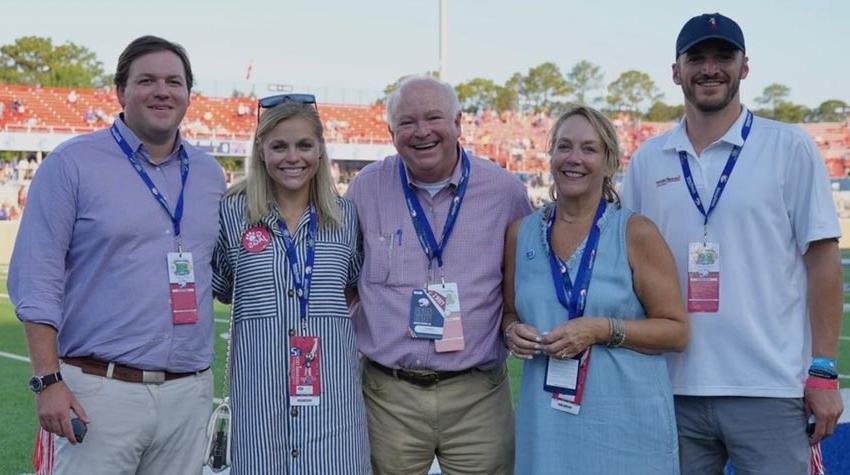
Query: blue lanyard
x,y
572,300
420,220
184,174
301,283
724,177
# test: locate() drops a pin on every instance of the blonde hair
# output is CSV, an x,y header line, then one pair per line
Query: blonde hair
x,y
258,185
607,135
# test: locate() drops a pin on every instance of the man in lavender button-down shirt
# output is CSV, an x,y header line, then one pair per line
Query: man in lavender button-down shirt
x,y
90,280
426,398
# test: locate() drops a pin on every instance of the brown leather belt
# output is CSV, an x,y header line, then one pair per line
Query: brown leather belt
x,y
97,367
423,378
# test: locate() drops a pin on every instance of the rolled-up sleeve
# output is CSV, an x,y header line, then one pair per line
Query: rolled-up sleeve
x,y
37,269
356,248
222,281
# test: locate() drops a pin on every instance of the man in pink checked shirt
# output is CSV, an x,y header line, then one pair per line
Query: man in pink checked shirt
x,y
433,219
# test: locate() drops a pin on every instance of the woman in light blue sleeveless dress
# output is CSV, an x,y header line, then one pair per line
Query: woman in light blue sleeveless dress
x,y
633,311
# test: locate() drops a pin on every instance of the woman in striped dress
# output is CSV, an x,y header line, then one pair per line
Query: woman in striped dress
x,y
286,255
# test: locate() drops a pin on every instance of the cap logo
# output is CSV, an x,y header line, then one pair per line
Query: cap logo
x,y
713,23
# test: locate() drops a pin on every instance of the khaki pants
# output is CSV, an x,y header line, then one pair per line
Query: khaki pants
x,y
135,428
466,421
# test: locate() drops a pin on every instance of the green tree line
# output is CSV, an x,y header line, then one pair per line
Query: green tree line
x,y
36,60
546,88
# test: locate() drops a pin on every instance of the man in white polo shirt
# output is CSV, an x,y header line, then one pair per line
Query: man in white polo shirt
x,y
746,207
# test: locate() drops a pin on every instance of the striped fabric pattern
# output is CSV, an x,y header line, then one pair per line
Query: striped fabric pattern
x,y
269,435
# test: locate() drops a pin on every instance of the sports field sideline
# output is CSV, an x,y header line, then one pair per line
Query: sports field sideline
x,y
18,420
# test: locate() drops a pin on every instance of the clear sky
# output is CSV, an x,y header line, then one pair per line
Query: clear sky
x,y
347,50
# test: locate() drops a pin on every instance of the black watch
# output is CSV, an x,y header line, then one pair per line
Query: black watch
x,y
38,383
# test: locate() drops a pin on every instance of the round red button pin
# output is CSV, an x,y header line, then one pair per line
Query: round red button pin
x,y
256,238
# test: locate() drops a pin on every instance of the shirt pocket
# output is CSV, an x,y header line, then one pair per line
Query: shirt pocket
x,y
256,291
330,274
384,259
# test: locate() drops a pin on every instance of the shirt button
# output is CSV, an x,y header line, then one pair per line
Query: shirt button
x,y
291,332
295,453
294,412
291,293
418,363
167,231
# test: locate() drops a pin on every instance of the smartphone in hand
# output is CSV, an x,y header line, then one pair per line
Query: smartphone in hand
x,y
79,429
810,425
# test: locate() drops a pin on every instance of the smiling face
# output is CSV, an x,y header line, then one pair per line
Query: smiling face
x,y
578,159
291,152
425,131
710,74
155,97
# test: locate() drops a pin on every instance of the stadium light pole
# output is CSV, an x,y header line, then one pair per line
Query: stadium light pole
x,y
443,40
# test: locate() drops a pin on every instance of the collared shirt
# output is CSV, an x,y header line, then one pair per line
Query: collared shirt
x,y
777,201
269,435
394,263
90,257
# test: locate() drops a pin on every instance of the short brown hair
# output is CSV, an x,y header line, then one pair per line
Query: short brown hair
x,y
145,45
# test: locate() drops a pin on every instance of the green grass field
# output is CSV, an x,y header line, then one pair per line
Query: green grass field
x,y
18,415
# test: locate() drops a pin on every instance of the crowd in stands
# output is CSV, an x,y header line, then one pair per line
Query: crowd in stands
x,y
515,140
21,170
15,176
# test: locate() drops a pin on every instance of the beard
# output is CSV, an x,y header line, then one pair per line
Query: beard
x,y
713,104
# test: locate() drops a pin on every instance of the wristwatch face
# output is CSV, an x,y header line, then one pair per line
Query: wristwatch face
x,y
36,384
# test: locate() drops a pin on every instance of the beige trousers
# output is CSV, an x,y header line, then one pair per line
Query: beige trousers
x,y
134,428
466,421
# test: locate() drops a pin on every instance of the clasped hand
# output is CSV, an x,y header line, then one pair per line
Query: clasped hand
x,y
564,341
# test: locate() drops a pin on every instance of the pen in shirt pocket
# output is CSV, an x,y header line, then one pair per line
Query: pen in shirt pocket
x,y
398,236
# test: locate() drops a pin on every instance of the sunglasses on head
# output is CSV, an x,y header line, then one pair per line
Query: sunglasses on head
x,y
276,100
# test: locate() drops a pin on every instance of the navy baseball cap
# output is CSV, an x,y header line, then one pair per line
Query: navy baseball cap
x,y
708,26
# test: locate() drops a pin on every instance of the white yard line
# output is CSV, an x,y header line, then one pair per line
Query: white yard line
x,y
15,357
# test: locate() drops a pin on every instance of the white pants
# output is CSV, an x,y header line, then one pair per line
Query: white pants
x,y
137,428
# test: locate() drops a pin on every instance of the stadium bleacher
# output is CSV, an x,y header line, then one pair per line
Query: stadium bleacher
x,y
516,141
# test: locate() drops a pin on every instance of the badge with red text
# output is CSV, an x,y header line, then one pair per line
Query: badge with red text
x,y
567,382
181,281
304,377
256,238
703,277
452,325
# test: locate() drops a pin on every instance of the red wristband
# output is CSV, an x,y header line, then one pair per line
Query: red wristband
x,y
821,383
